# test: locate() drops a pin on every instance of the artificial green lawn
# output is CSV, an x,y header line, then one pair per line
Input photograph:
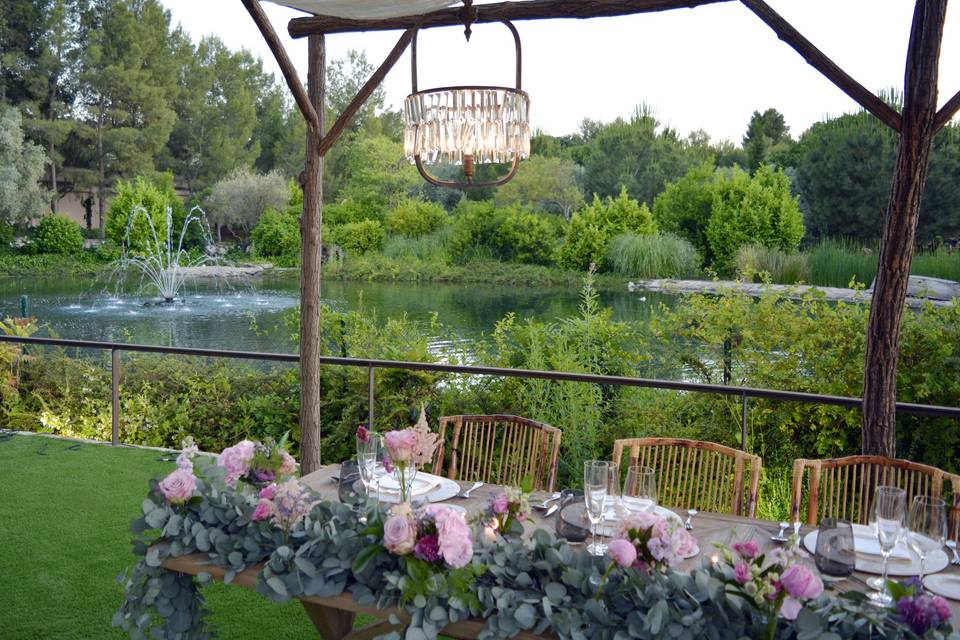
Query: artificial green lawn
x,y
64,537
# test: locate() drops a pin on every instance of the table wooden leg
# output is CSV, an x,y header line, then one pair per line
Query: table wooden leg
x,y
333,624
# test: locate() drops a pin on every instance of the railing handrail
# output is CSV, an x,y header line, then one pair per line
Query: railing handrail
x,y
590,378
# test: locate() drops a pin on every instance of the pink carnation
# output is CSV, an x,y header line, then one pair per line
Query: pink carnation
x,y
741,573
288,465
800,582
268,492
178,487
747,550
401,445
263,511
399,534
622,552
236,461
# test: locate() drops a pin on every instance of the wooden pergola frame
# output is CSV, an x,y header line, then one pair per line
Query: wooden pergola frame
x,y
916,125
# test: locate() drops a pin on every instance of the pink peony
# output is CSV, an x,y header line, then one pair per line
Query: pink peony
x,y
236,461
456,545
264,510
399,534
500,504
622,552
288,465
684,544
747,550
457,552
401,445
178,487
790,608
741,572
268,492
800,582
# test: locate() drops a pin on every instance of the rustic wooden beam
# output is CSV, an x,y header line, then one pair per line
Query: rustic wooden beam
x,y
947,111
530,10
365,92
878,426
286,66
819,61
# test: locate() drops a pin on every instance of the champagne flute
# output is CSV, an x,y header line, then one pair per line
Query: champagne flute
x,y
596,482
889,508
926,527
368,452
640,488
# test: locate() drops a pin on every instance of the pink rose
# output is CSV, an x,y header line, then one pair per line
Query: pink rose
x,y
684,544
741,573
456,545
747,550
288,465
399,535
263,511
236,461
800,582
457,552
500,504
942,608
178,487
268,492
401,445
622,552
790,608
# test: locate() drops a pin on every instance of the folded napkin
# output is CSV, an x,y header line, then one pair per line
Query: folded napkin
x,y
422,484
866,544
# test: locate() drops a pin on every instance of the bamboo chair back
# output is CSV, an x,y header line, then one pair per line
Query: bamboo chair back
x,y
696,474
844,487
498,449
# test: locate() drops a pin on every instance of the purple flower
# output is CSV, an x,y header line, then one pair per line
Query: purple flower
x,y
264,475
399,534
178,487
922,613
288,465
741,572
427,549
747,550
387,464
622,552
268,492
362,433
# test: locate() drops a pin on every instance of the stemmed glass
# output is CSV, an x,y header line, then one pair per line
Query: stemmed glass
x,y
640,488
889,508
596,485
926,527
368,452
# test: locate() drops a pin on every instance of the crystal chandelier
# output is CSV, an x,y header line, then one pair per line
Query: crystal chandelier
x,y
467,125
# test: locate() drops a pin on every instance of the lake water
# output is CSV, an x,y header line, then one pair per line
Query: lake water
x,y
248,314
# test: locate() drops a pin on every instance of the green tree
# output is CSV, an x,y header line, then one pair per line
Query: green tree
x,y
375,174
767,133
155,198
548,183
684,206
280,133
21,167
591,229
345,77
238,201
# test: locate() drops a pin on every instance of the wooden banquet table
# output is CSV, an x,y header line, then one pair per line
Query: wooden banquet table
x,y
334,617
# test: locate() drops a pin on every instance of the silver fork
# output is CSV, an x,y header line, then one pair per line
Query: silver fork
x,y
952,545
546,503
466,494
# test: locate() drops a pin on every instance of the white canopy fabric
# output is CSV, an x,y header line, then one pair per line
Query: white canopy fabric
x,y
366,9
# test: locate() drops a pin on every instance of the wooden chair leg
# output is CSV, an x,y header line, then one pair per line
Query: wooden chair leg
x,y
333,624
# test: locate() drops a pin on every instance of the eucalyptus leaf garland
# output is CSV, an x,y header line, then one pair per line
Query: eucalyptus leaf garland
x,y
540,585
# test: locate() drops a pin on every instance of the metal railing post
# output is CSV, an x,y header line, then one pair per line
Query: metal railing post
x,y
370,385
115,394
743,421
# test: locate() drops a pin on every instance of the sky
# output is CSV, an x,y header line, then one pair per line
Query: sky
x,y
705,68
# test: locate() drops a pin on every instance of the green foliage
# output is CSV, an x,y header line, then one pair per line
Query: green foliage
x,y
433,247
415,218
357,238
767,135
238,200
374,174
155,198
524,236
21,197
346,212
662,255
838,263
591,229
276,234
474,230
685,205
758,210
939,263
58,234
548,183
756,263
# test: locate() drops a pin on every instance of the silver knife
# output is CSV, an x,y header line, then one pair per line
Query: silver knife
x,y
552,510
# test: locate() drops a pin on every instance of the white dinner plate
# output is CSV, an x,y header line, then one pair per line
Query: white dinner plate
x,y
944,584
905,563
443,489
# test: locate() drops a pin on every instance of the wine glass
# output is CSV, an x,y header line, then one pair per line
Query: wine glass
x,y
596,482
368,452
640,488
926,527
889,508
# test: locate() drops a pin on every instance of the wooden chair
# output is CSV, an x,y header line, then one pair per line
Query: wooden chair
x,y
843,487
499,450
696,474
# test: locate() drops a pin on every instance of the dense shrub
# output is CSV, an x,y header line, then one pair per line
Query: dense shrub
x,y
7,235
240,199
591,229
756,263
357,238
276,234
414,218
58,234
434,247
758,210
347,211
474,230
684,206
524,236
155,198
663,255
